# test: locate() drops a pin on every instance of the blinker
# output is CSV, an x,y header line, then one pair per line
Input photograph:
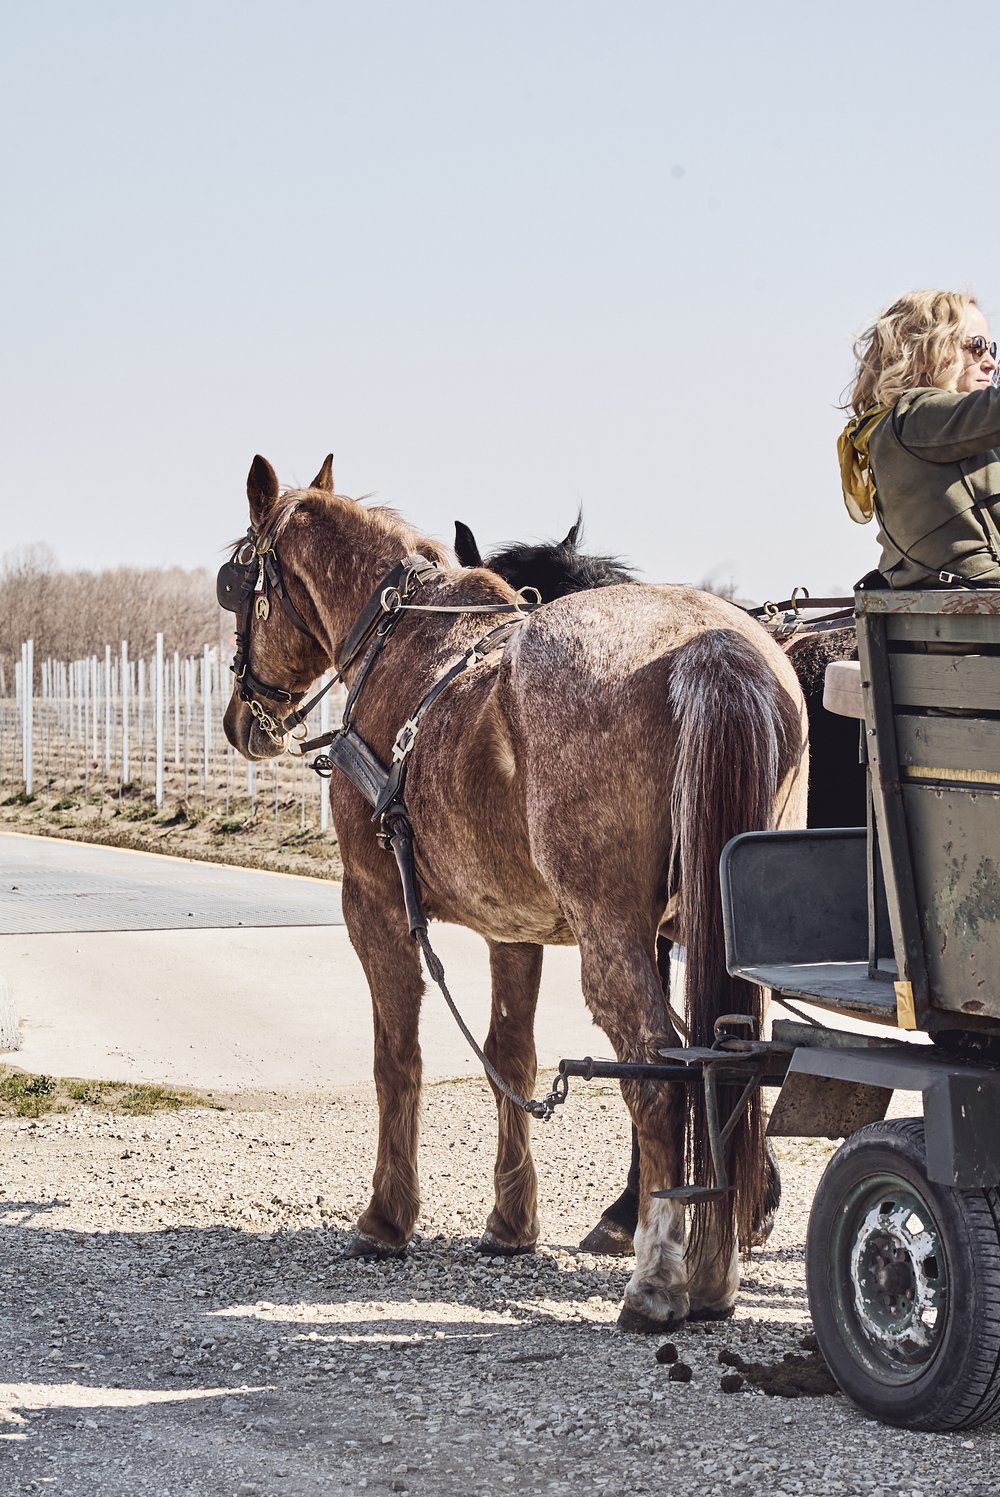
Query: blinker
x,y
228,585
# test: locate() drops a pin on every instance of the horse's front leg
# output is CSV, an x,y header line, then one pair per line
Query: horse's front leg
x,y
516,970
389,955
623,992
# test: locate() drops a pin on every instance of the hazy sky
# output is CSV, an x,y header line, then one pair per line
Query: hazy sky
x,y
502,259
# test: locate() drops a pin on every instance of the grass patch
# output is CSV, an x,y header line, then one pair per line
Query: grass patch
x,y
22,798
227,825
24,1095
138,811
66,804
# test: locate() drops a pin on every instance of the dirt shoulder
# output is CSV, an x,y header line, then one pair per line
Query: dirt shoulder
x,y
239,835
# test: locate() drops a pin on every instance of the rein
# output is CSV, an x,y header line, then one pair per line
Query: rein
x,y
784,619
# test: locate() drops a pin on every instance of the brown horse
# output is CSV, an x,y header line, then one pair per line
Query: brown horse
x,y
560,793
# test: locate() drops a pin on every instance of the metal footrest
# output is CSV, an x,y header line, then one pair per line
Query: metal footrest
x,y
690,1194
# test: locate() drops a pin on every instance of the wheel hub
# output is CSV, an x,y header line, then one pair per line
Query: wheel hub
x,y
897,1272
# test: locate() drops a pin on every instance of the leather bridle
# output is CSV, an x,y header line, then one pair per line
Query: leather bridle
x,y
244,586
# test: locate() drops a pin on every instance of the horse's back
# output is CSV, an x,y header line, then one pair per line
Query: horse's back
x,y
629,636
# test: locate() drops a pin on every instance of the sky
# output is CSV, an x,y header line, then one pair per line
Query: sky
x,y
504,260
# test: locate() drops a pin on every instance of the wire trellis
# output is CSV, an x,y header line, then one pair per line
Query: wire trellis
x,y
120,725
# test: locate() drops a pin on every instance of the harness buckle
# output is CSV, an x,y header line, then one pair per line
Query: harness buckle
x,y
405,739
391,600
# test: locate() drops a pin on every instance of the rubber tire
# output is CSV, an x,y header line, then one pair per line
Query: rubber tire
x,y
960,1385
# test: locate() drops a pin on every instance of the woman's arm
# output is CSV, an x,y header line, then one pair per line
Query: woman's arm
x,y
945,428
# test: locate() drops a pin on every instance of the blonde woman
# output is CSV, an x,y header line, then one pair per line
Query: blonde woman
x,y
921,450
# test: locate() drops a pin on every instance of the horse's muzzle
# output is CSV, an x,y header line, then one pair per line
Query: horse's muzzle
x,y
246,735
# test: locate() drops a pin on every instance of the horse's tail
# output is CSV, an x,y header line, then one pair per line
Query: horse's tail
x,y
738,734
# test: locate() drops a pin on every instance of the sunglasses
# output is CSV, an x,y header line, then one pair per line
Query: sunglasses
x,y
979,348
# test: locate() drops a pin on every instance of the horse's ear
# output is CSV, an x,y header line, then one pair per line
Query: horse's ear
x,y
324,478
575,531
465,546
262,488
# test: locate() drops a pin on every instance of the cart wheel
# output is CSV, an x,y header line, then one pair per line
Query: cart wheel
x,y
904,1283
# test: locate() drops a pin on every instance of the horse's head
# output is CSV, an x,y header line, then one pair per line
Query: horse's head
x,y
555,568
281,640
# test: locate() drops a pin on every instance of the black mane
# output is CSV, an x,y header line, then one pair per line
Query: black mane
x,y
555,568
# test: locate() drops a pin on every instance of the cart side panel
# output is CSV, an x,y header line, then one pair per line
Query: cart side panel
x,y
931,677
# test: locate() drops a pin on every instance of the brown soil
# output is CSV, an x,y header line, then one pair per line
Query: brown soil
x,y
242,835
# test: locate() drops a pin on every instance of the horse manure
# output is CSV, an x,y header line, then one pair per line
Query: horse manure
x,y
680,1372
667,1352
809,1343
732,1382
792,1377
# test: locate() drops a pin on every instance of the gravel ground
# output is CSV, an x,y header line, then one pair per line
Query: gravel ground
x,y
179,1319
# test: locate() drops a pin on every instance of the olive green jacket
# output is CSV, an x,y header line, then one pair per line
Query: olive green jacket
x,y
937,472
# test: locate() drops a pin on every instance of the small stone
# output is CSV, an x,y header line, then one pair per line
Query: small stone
x,y
666,1353
680,1372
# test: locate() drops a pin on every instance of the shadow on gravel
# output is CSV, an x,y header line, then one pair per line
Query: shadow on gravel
x,y
210,1354
78,1301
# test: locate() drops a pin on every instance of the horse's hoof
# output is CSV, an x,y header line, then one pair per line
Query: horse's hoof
x,y
361,1246
492,1247
712,1312
637,1324
610,1239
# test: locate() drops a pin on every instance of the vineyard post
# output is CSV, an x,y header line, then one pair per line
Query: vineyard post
x,y
158,719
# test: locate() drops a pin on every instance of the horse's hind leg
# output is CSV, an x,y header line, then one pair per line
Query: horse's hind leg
x,y
516,970
614,1234
623,993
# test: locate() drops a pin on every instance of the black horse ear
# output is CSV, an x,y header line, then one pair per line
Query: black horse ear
x,y
465,546
575,531
262,489
324,478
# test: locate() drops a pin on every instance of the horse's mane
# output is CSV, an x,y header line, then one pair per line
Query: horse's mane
x,y
556,568
386,521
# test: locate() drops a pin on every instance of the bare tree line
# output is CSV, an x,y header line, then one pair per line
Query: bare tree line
x,y
73,614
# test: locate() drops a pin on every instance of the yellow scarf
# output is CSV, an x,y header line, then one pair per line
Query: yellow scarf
x,y
855,468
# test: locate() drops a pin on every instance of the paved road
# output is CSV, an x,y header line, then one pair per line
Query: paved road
x,y
239,1007
224,978
52,886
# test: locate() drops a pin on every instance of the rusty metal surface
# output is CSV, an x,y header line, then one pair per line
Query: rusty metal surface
x,y
938,600
955,842
824,1107
48,886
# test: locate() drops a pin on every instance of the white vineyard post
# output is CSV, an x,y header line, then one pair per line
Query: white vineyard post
x,y
206,705
158,718
107,711
177,710
95,703
188,715
126,679
28,704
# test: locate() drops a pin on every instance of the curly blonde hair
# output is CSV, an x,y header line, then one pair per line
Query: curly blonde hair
x,y
916,343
